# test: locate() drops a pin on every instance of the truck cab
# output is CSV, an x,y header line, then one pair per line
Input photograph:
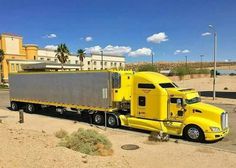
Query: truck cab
x,y
158,104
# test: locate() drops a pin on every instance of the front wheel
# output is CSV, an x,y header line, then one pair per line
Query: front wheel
x,y
194,133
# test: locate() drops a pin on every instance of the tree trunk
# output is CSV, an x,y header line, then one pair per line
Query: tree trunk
x,y
62,67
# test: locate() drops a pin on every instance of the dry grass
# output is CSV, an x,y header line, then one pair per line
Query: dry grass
x,y
88,142
61,133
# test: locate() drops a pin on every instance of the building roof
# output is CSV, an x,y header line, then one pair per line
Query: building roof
x,y
44,66
11,34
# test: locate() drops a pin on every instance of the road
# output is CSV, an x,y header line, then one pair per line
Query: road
x,y
228,143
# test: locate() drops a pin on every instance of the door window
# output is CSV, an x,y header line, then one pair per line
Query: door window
x,y
141,101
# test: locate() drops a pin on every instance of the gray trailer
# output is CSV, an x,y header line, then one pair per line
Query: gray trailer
x,y
82,91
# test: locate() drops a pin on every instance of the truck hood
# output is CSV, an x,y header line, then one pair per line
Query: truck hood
x,y
206,107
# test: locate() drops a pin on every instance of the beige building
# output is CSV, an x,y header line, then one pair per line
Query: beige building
x,y
17,54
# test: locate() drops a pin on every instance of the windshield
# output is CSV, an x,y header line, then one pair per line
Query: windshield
x,y
193,100
168,85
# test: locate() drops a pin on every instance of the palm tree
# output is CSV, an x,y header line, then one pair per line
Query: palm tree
x,y
62,54
81,55
1,59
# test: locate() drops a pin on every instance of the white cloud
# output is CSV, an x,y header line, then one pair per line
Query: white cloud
x,y
181,51
52,35
117,50
185,51
206,34
157,38
89,38
113,50
141,52
51,47
95,49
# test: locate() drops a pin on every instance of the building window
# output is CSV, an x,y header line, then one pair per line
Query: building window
x,y
95,63
55,60
111,63
88,68
88,62
42,59
115,64
120,64
76,62
17,67
68,61
105,63
95,68
48,59
34,57
12,67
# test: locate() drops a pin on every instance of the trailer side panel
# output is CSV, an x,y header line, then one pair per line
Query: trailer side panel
x,y
84,89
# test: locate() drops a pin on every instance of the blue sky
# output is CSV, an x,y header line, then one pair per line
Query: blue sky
x,y
170,28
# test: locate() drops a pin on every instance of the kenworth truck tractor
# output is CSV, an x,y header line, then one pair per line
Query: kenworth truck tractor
x,y
143,100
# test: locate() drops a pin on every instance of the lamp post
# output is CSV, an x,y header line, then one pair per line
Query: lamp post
x,y
214,54
152,58
186,62
201,60
102,59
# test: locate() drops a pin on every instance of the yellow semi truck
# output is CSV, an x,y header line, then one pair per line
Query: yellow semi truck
x,y
143,100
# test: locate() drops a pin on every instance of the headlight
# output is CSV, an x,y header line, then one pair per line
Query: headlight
x,y
215,129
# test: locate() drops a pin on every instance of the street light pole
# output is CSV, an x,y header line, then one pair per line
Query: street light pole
x,y
152,58
102,59
186,61
201,60
215,54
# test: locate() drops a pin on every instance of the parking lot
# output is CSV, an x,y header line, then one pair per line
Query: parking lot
x,y
228,143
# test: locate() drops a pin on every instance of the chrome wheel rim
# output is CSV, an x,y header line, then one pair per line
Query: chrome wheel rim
x,y
193,133
13,106
111,121
98,119
30,107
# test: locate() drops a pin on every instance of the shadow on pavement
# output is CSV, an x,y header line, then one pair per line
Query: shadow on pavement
x,y
86,118
229,95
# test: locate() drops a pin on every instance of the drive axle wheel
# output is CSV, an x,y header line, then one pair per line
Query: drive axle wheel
x,y
98,118
112,121
194,133
14,106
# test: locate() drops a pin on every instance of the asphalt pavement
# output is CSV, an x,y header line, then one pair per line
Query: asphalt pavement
x,y
228,143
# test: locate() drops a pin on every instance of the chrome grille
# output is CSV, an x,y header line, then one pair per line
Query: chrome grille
x,y
224,121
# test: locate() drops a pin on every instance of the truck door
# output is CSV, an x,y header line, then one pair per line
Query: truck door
x,y
176,109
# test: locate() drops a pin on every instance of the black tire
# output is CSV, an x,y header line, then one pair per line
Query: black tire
x,y
30,108
112,121
98,118
14,106
194,133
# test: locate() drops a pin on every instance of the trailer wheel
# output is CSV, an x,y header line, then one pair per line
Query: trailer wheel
x,y
112,121
194,133
14,106
98,118
30,108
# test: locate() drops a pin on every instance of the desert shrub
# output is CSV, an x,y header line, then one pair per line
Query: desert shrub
x,y
232,74
148,67
88,142
183,70
3,86
203,71
61,133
